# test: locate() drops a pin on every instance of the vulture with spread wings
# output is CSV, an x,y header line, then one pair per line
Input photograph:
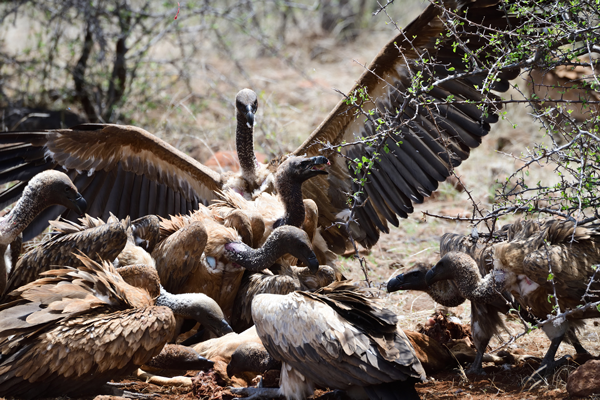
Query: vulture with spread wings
x,y
128,171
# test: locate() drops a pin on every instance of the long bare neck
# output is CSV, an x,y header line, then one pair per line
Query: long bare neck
x,y
244,143
473,287
291,196
446,293
26,209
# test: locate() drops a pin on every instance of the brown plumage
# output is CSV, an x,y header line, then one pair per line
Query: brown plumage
x,y
522,266
99,240
75,329
199,255
339,338
46,189
135,173
287,208
175,356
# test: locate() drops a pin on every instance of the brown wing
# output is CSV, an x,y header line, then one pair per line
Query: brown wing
x,y
101,243
119,169
79,355
570,253
427,143
179,255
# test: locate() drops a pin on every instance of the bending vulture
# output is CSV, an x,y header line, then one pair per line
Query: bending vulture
x,y
128,171
544,265
42,191
337,338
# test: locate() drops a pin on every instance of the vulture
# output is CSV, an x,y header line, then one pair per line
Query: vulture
x,y
194,306
287,279
128,171
42,191
566,83
197,254
339,338
73,330
287,208
542,264
486,318
98,240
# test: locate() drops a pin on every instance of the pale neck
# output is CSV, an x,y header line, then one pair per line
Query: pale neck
x,y
473,287
26,209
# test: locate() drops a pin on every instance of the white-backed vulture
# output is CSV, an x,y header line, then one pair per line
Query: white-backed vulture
x,y
537,259
94,238
73,330
285,208
337,338
44,190
199,255
128,171
195,306
287,279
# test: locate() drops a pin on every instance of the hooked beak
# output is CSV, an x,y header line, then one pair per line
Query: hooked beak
x,y
312,263
431,276
318,165
222,329
80,204
395,283
249,117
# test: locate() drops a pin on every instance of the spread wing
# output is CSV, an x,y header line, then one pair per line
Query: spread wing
x,y
104,242
427,142
120,169
316,341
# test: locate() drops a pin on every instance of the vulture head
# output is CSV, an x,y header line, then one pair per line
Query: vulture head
x,y
413,279
448,266
283,240
299,169
246,104
55,187
196,306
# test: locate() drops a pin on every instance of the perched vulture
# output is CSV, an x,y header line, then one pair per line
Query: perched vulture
x,y
337,338
128,171
45,189
73,330
538,260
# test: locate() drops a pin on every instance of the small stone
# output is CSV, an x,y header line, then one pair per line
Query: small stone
x,y
585,381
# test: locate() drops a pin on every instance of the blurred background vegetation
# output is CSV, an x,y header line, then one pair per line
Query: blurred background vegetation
x,y
132,62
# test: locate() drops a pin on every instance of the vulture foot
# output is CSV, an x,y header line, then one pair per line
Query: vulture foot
x,y
257,393
546,369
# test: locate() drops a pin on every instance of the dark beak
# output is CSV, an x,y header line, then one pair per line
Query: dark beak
x,y
319,160
80,204
430,277
223,329
395,283
313,264
250,117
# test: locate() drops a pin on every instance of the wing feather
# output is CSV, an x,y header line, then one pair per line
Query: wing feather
x,y
111,158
